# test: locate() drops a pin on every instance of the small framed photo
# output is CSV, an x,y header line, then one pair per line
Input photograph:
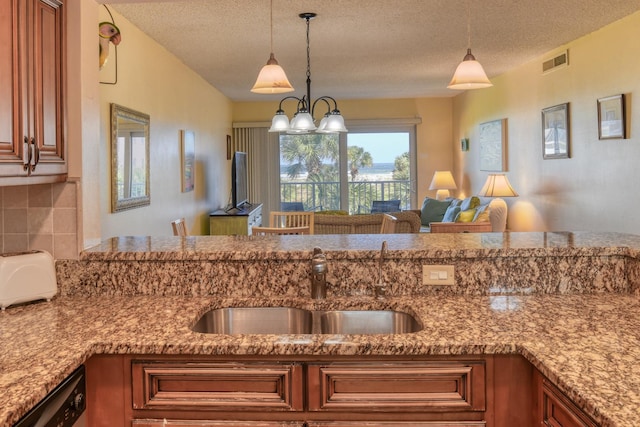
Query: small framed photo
x,y
611,118
188,160
464,144
556,134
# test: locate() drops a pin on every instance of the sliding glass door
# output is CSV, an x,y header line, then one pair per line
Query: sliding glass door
x,y
348,171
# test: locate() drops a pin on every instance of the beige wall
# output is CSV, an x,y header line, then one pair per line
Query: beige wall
x,y
592,190
152,81
433,135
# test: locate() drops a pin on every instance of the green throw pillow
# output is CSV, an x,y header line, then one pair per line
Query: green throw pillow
x,y
433,210
466,216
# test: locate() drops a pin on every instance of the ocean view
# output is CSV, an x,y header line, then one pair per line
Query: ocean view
x,y
377,172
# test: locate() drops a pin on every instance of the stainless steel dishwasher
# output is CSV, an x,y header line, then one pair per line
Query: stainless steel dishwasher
x,y
63,407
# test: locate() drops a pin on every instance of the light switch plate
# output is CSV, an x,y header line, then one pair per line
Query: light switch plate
x,y
434,275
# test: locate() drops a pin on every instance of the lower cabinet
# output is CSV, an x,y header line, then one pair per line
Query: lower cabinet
x,y
183,391
555,409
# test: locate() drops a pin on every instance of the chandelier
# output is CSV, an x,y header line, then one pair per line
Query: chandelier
x,y
303,120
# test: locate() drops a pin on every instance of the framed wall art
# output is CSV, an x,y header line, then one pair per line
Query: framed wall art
x,y
188,160
464,144
555,132
611,118
493,146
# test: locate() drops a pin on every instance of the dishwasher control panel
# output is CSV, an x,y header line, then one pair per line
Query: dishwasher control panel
x,y
62,407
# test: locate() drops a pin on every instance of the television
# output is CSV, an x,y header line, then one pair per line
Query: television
x,y
239,180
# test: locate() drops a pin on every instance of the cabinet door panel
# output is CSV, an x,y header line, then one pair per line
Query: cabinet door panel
x,y
399,387
398,424
204,423
12,17
559,411
48,83
215,386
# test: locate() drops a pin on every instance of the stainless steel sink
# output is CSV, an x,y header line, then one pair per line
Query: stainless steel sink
x,y
368,322
255,320
289,320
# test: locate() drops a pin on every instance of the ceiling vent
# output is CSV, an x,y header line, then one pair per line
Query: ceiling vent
x,y
554,63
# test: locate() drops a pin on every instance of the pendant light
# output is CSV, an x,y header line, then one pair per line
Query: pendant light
x,y
469,74
272,78
303,121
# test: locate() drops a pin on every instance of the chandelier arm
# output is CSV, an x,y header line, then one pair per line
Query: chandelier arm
x,y
323,98
288,97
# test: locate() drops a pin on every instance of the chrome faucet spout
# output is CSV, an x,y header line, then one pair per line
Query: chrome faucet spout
x,y
319,270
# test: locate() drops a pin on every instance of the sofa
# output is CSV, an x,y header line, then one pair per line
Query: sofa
x,y
339,222
464,215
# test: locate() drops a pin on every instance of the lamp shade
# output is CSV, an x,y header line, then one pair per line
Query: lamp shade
x,y
497,185
469,75
272,79
443,182
302,122
280,122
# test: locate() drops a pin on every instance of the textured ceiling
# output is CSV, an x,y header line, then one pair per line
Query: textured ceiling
x,y
363,48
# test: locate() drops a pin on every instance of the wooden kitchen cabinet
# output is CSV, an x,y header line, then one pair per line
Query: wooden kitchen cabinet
x,y
323,391
555,409
206,423
440,386
32,122
225,386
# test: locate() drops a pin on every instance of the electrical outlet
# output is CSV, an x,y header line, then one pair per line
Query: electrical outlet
x,y
437,275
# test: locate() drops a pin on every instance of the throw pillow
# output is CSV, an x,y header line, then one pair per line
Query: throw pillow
x,y
433,210
450,214
466,216
482,214
469,203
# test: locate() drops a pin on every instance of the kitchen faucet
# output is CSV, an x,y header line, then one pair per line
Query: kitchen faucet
x,y
379,288
318,274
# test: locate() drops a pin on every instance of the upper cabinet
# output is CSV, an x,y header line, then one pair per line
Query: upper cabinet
x,y
32,122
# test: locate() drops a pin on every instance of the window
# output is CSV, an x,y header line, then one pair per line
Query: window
x,y
348,171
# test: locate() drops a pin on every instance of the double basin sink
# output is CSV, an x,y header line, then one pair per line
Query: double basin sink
x,y
290,320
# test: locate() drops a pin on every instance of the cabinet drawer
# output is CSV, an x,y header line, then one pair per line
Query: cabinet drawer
x,y
398,387
203,423
559,411
397,424
217,386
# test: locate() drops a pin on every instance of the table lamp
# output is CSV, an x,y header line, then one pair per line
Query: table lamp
x,y
497,185
443,182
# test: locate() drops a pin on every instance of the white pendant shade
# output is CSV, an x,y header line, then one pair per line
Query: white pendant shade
x,y
279,123
302,122
332,123
272,79
469,75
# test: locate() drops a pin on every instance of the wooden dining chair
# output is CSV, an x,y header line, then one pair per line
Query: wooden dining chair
x,y
292,219
264,231
179,227
388,224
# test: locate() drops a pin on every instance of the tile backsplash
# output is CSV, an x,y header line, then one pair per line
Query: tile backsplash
x,y
43,217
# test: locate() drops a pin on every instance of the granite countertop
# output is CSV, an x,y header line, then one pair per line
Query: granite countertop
x,y
345,246
587,344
